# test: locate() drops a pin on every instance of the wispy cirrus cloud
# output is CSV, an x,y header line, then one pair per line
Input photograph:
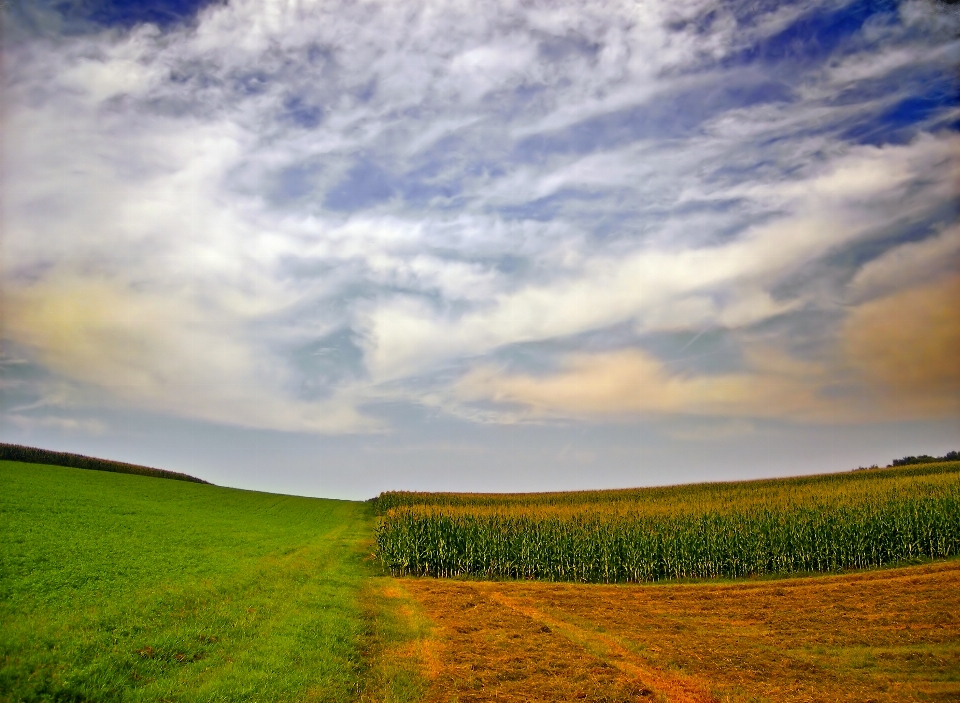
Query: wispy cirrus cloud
x,y
283,215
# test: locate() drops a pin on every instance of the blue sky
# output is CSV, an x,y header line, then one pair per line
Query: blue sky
x,y
332,248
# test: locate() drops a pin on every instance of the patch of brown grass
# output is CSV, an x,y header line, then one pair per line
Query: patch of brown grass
x,y
889,635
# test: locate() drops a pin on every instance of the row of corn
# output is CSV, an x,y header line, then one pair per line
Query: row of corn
x,y
760,492
839,527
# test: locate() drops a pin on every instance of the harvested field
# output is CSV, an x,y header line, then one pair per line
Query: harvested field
x,y
890,635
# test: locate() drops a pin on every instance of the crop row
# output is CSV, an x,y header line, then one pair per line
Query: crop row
x,y
703,497
598,545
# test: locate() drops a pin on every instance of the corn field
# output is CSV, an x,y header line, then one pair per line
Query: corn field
x,y
813,524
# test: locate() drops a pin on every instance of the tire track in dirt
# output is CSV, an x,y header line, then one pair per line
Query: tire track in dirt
x,y
491,652
888,636
672,687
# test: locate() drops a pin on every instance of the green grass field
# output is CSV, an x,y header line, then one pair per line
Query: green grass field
x,y
119,587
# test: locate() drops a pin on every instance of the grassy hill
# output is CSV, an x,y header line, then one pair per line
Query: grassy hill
x,y
122,587
34,455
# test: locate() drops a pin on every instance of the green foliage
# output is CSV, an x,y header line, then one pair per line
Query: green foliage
x,y
926,459
819,523
122,588
33,455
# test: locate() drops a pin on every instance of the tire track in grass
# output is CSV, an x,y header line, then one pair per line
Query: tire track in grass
x,y
402,653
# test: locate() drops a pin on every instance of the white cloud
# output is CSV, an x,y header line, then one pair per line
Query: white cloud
x,y
908,265
483,69
408,337
494,188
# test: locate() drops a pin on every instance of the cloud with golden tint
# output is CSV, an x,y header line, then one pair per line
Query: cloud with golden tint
x,y
907,346
161,353
897,360
633,382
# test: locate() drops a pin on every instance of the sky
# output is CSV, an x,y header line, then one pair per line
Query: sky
x,y
333,248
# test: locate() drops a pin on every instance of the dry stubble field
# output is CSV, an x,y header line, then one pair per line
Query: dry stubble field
x,y
887,635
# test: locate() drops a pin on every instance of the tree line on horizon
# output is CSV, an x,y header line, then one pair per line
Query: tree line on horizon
x,y
34,455
926,459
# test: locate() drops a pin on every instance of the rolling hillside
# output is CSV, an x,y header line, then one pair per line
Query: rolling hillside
x,y
118,587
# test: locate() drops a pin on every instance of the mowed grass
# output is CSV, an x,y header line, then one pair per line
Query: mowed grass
x,y
886,636
116,587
